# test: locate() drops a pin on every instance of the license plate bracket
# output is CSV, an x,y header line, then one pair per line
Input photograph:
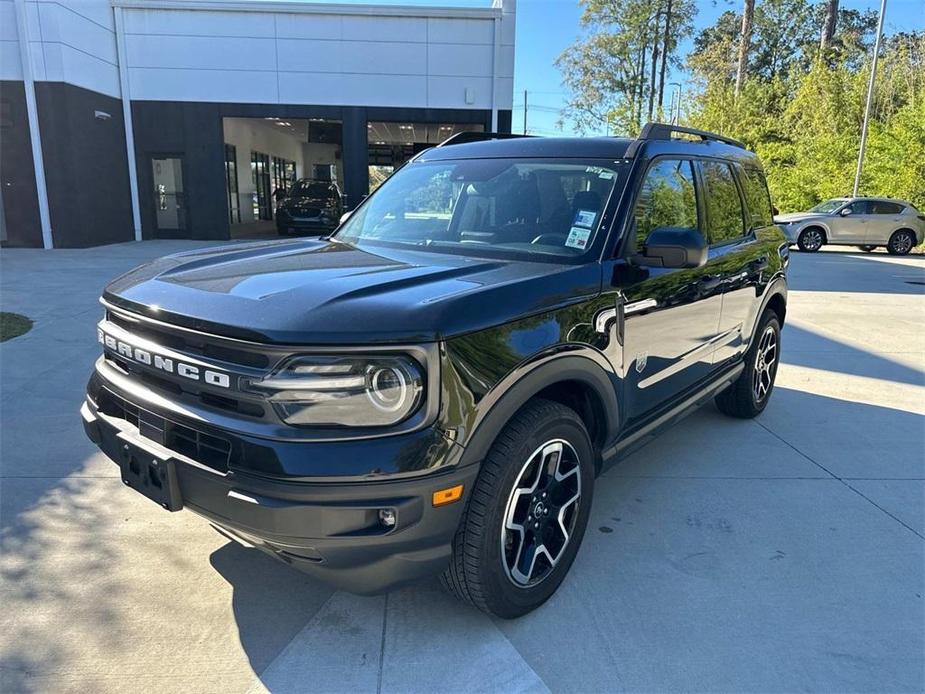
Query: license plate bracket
x,y
151,474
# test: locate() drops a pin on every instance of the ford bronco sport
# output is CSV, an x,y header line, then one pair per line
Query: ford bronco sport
x,y
434,388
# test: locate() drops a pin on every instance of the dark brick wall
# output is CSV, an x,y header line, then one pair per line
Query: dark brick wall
x,y
17,176
86,168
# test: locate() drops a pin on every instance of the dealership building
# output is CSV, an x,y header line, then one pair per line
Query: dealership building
x,y
140,119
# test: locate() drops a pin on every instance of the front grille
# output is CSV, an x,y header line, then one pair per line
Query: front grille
x,y
190,343
206,449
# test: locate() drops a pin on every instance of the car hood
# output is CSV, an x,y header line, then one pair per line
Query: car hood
x,y
797,217
327,292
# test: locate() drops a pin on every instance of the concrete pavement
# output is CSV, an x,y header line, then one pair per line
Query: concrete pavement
x,y
785,553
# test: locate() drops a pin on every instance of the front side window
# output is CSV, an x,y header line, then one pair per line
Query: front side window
x,y
667,199
828,207
858,207
757,198
539,208
724,206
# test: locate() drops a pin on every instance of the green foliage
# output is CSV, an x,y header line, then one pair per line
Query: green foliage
x,y
800,108
612,72
804,117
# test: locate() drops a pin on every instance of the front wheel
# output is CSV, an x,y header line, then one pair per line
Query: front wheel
x,y
527,513
749,394
810,240
901,242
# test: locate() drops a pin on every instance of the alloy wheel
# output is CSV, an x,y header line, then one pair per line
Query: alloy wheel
x,y
902,243
765,364
812,239
541,511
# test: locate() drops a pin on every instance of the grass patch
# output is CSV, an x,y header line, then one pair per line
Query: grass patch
x,y
13,325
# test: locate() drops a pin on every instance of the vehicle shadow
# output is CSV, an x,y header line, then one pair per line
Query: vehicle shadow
x,y
645,519
272,602
803,347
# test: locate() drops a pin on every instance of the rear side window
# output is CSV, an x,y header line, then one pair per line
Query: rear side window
x,y
667,198
884,207
757,198
724,206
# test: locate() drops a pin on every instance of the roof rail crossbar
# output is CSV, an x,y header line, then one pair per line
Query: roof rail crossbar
x,y
664,131
472,136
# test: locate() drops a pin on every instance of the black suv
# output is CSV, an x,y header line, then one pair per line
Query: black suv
x,y
310,206
434,388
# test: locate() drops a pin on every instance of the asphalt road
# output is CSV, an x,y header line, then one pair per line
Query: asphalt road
x,y
781,554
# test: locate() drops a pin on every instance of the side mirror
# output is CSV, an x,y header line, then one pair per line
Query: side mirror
x,y
674,247
845,211
774,210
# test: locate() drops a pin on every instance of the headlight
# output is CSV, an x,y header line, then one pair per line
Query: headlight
x,y
360,391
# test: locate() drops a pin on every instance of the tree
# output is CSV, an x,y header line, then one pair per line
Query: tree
x,y
745,37
612,71
828,27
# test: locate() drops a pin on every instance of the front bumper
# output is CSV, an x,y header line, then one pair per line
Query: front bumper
x,y
330,530
290,225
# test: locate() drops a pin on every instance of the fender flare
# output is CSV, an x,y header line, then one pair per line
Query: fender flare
x,y
777,287
512,392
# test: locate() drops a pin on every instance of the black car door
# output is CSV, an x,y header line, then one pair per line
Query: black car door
x,y
738,214
670,317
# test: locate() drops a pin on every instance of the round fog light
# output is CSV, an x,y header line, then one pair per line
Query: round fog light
x,y
387,517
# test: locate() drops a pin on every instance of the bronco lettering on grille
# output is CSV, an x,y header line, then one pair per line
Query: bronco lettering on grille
x,y
162,363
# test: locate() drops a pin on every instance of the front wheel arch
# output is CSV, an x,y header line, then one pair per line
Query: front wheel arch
x,y
578,382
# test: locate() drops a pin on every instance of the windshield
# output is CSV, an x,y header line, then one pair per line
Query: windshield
x,y
310,189
472,206
828,206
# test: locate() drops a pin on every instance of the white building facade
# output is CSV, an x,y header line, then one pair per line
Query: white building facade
x,y
181,118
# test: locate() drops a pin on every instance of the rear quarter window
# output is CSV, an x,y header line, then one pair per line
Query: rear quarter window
x,y
757,198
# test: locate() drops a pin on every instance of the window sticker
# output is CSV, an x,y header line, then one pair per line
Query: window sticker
x,y
606,175
578,238
585,218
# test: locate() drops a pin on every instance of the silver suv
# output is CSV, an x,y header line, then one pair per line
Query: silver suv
x,y
863,222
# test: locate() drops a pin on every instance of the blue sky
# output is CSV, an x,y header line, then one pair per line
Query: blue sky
x,y
546,27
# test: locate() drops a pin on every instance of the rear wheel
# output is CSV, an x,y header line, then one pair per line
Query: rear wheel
x,y
901,242
811,240
527,513
749,394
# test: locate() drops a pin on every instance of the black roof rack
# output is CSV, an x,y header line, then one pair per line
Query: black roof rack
x,y
664,131
472,136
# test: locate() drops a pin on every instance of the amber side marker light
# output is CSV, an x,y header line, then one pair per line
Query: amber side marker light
x,y
447,496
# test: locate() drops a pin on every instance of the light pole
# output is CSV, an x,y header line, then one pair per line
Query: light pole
x,y
870,99
672,118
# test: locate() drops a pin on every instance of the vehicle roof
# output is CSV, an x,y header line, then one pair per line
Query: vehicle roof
x,y
584,148
553,147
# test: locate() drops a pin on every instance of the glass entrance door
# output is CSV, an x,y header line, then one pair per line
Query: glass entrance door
x,y
169,199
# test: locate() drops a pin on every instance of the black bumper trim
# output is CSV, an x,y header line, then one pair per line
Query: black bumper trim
x,y
330,530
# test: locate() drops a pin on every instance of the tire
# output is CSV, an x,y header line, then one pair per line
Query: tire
x,y
901,242
810,240
867,249
494,532
749,394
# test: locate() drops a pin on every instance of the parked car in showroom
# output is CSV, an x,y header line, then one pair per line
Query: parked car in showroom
x,y
867,223
435,388
310,207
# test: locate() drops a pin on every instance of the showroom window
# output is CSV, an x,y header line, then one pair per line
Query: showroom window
x,y
260,177
231,184
392,144
283,174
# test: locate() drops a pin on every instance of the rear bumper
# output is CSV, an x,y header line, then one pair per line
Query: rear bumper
x,y
330,530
